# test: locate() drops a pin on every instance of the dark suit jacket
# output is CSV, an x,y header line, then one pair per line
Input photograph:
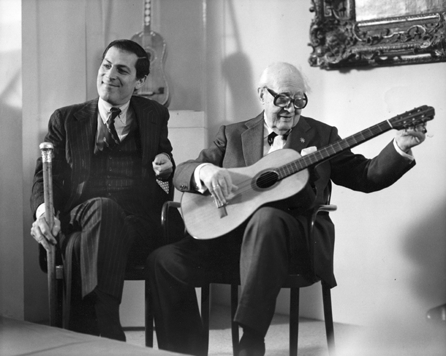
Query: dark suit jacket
x,y
241,144
72,130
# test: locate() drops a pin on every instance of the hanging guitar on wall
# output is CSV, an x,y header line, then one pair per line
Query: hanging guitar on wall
x,y
155,87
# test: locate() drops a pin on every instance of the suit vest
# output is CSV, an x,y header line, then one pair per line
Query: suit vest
x,y
117,173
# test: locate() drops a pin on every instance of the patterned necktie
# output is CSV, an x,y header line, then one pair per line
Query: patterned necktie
x,y
113,139
164,185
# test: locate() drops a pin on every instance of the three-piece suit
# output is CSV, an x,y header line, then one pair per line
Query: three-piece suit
x,y
108,201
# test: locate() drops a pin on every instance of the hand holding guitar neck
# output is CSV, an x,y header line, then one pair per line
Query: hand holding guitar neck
x,y
411,137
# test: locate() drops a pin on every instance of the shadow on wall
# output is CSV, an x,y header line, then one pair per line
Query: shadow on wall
x,y
10,137
237,71
11,188
426,247
238,74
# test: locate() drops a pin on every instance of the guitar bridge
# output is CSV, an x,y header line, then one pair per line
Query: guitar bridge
x,y
222,211
221,208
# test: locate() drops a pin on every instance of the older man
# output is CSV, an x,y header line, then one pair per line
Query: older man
x,y
262,247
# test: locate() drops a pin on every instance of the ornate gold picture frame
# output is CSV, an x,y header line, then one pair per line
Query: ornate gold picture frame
x,y
340,41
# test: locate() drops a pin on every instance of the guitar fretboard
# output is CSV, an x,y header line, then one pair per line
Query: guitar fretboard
x,y
147,14
330,151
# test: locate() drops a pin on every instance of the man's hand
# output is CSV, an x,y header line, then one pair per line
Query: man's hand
x,y
218,181
406,139
162,166
43,234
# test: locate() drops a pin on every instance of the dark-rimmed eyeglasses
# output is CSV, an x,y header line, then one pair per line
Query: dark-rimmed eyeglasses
x,y
283,100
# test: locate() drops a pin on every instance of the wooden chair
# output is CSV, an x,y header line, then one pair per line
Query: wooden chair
x,y
294,283
56,302
51,262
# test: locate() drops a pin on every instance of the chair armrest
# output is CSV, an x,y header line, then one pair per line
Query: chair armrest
x,y
327,208
312,219
313,215
165,218
319,209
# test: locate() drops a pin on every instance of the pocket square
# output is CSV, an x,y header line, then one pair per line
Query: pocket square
x,y
308,150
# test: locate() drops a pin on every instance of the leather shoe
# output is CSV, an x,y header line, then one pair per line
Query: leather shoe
x,y
437,314
251,345
107,313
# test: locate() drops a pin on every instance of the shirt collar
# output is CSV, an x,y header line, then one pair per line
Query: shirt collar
x,y
104,109
267,129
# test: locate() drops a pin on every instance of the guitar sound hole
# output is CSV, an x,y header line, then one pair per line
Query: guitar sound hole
x,y
267,179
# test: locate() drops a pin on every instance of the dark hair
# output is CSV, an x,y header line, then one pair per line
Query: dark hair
x,y
142,65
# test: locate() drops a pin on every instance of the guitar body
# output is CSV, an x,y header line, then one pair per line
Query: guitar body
x,y
155,86
204,220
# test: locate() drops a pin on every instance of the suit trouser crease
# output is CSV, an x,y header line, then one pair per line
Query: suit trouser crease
x,y
99,251
263,267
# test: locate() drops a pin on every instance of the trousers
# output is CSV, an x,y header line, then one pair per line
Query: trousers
x,y
258,252
99,241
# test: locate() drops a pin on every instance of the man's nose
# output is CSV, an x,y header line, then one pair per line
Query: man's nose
x,y
111,72
290,107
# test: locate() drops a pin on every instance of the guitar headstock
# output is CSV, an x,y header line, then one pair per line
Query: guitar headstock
x,y
413,118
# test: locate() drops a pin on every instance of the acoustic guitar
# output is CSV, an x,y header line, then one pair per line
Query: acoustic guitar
x,y
155,87
277,176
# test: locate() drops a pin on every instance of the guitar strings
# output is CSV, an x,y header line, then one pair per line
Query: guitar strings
x,y
306,161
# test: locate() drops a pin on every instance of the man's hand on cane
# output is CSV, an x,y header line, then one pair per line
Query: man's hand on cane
x,y
43,234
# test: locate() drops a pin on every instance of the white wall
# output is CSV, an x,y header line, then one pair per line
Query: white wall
x,y
390,252
63,41
11,187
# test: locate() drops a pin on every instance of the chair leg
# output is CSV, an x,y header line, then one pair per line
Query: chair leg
x,y
205,308
328,315
148,316
234,325
294,320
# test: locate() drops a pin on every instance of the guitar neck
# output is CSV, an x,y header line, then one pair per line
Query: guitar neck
x,y
332,150
146,40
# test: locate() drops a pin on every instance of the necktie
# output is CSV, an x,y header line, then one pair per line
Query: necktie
x,y
164,185
271,137
113,139
277,142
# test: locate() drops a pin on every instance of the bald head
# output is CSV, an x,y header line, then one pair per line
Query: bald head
x,y
282,79
282,74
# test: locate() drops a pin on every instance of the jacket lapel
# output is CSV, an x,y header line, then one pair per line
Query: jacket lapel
x,y
81,138
252,140
299,136
145,118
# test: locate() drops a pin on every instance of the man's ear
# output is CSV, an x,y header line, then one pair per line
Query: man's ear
x,y
261,94
140,82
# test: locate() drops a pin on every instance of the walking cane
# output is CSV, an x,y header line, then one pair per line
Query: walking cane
x,y
47,155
